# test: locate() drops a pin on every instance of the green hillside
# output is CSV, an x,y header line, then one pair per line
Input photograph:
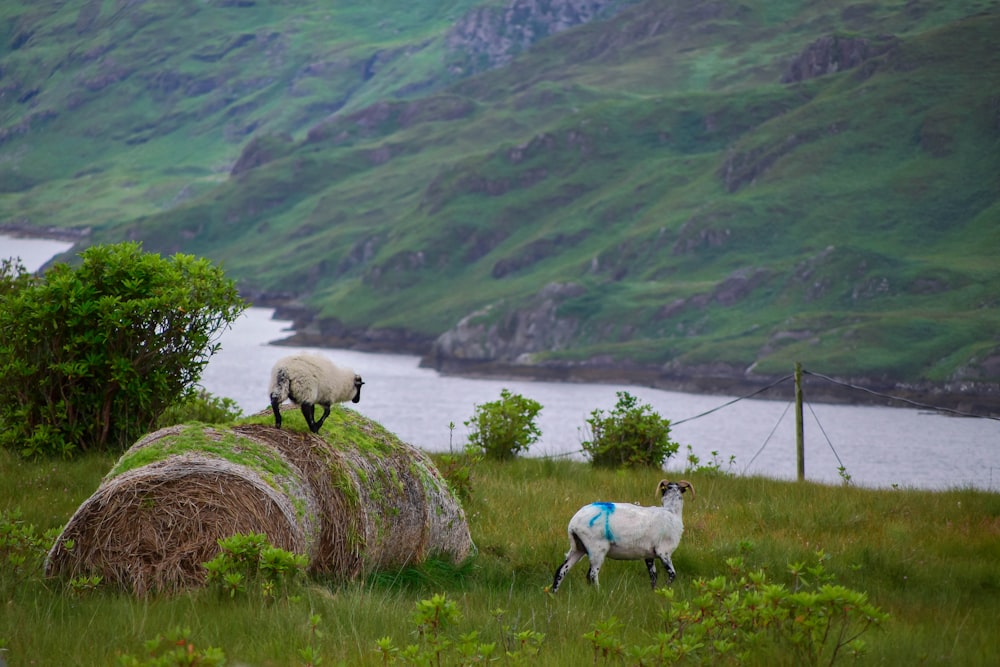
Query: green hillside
x,y
688,188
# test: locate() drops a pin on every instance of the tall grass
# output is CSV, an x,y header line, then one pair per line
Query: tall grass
x,y
930,559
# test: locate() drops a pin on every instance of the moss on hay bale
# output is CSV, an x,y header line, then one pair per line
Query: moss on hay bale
x,y
353,498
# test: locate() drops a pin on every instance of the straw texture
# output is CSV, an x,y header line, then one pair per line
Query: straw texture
x,y
353,498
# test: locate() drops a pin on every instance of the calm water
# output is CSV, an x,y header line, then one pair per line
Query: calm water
x,y
878,446
32,252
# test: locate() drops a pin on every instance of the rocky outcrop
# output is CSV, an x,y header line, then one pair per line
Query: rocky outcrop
x,y
534,252
261,150
312,331
384,117
743,166
835,53
491,36
736,287
512,336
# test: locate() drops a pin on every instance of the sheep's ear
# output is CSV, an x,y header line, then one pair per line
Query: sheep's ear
x,y
686,486
661,488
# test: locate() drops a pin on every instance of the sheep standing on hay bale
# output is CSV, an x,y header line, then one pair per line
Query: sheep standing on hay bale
x,y
310,380
354,500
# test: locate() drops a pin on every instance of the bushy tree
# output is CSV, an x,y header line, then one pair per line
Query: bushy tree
x,y
631,435
91,355
502,429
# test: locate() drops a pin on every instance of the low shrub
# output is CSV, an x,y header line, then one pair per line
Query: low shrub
x,y
503,429
631,436
731,619
201,407
249,564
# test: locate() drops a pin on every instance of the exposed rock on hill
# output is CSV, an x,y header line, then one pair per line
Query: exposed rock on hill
x,y
492,36
261,150
835,53
535,252
492,335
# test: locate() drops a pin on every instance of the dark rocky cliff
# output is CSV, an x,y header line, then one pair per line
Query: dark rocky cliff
x,y
490,37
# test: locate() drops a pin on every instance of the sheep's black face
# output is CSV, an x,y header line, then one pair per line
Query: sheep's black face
x,y
357,389
675,488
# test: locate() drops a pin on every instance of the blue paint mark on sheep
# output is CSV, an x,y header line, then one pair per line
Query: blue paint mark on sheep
x,y
604,510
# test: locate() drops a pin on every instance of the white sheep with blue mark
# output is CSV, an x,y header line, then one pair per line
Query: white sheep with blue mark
x,y
623,531
310,380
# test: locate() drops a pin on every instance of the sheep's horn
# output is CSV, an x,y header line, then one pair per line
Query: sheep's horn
x,y
662,486
683,483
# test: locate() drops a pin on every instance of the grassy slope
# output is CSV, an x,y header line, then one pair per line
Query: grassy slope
x,y
647,167
928,558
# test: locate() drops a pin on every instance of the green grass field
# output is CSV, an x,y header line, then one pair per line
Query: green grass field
x,y
931,560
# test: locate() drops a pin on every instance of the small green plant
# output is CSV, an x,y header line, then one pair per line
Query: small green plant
x,y
22,550
713,467
844,475
437,643
311,653
502,429
519,646
604,639
457,468
83,585
175,649
732,618
457,471
201,407
631,435
249,563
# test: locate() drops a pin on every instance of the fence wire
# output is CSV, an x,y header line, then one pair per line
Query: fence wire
x,y
735,400
848,385
908,401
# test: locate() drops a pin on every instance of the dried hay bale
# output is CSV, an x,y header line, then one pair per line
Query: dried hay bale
x,y
353,498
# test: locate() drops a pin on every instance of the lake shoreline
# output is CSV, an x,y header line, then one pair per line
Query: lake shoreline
x,y
973,399
30,232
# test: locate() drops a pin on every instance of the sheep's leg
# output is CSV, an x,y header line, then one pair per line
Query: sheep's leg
x,y
309,413
326,413
667,563
596,560
276,406
651,566
572,558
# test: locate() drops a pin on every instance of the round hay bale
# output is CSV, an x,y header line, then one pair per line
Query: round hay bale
x,y
353,498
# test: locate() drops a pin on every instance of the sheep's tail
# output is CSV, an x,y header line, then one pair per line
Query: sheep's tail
x,y
576,543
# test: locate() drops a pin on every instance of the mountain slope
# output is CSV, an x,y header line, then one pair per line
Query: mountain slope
x,y
688,188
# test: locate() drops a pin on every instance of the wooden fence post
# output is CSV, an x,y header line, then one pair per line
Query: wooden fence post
x,y
800,440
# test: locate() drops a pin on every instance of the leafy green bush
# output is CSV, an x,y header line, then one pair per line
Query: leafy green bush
x,y
91,356
733,619
631,435
22,550
457,471
201,407
248,563
437,643
504,428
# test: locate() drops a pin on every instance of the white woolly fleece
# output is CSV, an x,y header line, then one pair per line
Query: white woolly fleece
x,y
312,379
